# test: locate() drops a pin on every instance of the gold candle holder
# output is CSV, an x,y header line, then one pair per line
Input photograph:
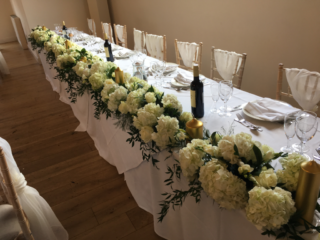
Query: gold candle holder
x,y
119,76
308,189
194,128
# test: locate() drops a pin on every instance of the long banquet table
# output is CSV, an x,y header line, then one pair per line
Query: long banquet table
x,y
193,220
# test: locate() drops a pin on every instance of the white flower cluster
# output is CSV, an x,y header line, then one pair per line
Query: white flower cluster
x,y
102,67
134,101
185,117
290,173
226,189
115,98
269,209
190,158
97,80
267,178
135,83
167,128
58,49
171,101
67,58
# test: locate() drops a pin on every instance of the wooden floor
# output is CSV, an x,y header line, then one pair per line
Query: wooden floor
x,y
89,197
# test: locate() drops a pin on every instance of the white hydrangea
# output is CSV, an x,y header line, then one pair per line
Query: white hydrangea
x,y
109,87
226,189
185,117
48,46
102,67
290,174
244,168
58,49
147,116
86,74
79,68
134,100
245,145
269,209
126,77
267,178
191,159
146,133
123,108
115,98
150,97
226,147
268,153
170,100
63,60
96,80
166,129
181,135
135,83
212,150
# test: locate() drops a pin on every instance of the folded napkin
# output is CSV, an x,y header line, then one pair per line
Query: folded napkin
x,y
269,109
123,54
186,77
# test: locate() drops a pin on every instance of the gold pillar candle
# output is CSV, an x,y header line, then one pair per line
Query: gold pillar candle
x,y
44,28
119,76
308,189
68,44
194,128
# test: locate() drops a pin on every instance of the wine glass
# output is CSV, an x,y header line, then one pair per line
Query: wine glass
x,y
289,126
161,69
154,69
225,92
306,128
214,86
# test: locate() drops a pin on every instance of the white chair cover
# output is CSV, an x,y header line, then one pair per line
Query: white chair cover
x,y
3,65
43,222
187,52
226,63
119,30
139,40
106,30
90,26
154,45
305,87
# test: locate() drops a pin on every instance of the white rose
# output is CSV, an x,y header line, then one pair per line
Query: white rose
x,y
171,100
123,108
185,117
212,150
268,153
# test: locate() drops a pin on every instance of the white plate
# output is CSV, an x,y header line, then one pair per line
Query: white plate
x,y
170,67
174,83
258,118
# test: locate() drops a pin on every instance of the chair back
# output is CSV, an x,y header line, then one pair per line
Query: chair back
x,y
227,65
12,197
139,38
302,85
156,46
188,54
92,26
120,33
106,28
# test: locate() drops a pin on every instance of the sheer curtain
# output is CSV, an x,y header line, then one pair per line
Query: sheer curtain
x,y
43,222
227,62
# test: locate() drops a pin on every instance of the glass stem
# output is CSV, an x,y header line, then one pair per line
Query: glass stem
x,y
301,147
288,143
225,107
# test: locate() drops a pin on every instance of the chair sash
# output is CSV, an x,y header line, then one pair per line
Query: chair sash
x,y
3,65
188,52
304,86
139,40
154,45
43,222
106,30
93,30
119,30
227,63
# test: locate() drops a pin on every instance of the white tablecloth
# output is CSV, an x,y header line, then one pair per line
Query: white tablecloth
x,y
192,221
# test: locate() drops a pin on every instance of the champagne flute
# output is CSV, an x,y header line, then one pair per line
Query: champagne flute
x,y
214,86
225,92
289,129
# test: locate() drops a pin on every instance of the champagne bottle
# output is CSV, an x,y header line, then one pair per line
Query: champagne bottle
x,y
197,104
108,49
64,30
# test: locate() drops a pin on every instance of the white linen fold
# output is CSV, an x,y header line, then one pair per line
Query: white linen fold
x,y
154,45
139,40
227,63
93,30
305,87
188,52
43,222
120,30
269,109
106,30
186,77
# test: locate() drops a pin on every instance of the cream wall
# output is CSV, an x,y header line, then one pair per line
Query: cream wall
x,y
7,33
269,31
99,12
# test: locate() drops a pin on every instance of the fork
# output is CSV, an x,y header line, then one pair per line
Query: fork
x,y
250,125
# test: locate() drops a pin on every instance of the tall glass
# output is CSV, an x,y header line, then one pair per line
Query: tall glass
x,y
289,126
225,92
214,86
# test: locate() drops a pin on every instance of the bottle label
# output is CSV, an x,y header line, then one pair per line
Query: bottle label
x,y
64,32
193,98
107,52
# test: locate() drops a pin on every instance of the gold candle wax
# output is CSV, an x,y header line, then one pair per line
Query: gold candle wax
x,y
117,73
68,44
194,128
308,189
44,28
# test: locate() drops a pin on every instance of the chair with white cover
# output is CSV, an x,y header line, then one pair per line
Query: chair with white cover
x,y
228,66
189,53
3,67
303,86
92,26
156,46
106,28
120,33
28,204
139,38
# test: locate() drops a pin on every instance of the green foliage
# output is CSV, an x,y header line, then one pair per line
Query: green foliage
x,y
50,58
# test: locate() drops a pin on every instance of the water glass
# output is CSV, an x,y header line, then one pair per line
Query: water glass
x,y
225,92
214,86
289,126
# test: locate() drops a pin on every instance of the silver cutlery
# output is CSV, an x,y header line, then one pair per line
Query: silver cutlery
x,y
248,124
237,108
